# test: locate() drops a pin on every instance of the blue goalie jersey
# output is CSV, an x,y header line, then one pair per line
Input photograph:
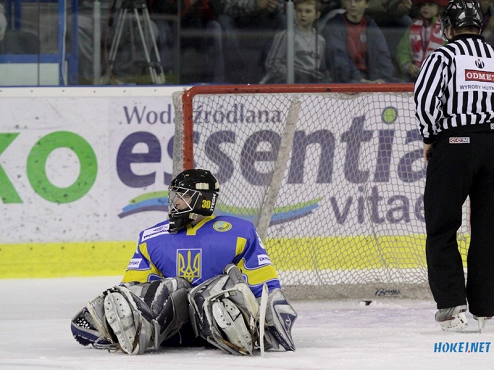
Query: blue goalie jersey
x,y
198,253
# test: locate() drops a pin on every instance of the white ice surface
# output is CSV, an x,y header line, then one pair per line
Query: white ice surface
x,y
388,334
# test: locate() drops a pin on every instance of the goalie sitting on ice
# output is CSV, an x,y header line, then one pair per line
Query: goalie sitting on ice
x,y
192,278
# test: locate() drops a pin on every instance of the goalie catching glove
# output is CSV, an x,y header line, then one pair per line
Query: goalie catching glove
x,y
133,317
280,316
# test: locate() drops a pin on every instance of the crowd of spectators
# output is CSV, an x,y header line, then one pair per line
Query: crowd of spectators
x,y
245,41
340,41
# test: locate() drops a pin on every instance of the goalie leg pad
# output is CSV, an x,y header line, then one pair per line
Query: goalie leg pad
x,y
129,326
160,310
224,311
96,309
137,316
230,320
174,314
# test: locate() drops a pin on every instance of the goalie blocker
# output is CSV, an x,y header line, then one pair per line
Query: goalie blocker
x,y
223,310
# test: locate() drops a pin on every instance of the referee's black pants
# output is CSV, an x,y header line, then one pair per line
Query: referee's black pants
x,y
454,172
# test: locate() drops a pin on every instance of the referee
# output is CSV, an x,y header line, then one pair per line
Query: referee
x,y
454,100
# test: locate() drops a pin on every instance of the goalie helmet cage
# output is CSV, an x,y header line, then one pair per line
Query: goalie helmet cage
x,y
331,175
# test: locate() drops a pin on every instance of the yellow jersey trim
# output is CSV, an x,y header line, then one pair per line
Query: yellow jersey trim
x,y
259,275
241,243
192,229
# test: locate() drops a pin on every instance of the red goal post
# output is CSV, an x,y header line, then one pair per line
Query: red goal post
x,y
331,175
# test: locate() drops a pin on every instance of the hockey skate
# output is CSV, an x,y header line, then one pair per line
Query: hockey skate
x,y
481,321
453,318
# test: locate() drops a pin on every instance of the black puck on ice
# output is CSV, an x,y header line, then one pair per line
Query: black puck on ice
x,y
365,303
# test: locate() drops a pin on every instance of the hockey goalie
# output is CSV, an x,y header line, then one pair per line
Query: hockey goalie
x,y
194,279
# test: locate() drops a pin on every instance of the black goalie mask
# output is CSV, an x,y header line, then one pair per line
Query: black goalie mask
x,y
191,193
461,13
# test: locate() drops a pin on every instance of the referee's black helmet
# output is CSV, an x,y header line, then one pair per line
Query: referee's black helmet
x,y
462,13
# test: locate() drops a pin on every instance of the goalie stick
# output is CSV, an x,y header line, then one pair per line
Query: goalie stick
x,y
262,316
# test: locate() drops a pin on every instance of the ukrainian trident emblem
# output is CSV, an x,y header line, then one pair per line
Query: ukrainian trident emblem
x,y
189,264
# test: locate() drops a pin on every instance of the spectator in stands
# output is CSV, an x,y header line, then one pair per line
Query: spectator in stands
x,y
329,5
199,30
356,50
487,11
390,12
488,20
249,27
421,38
309,49
393,17
3,21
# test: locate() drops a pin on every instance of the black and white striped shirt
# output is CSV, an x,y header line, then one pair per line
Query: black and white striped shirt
x,y
454,92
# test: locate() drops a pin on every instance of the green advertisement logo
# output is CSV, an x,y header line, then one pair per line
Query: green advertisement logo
x,y
36,168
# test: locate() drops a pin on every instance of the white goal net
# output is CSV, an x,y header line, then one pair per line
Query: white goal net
x,y
332,176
